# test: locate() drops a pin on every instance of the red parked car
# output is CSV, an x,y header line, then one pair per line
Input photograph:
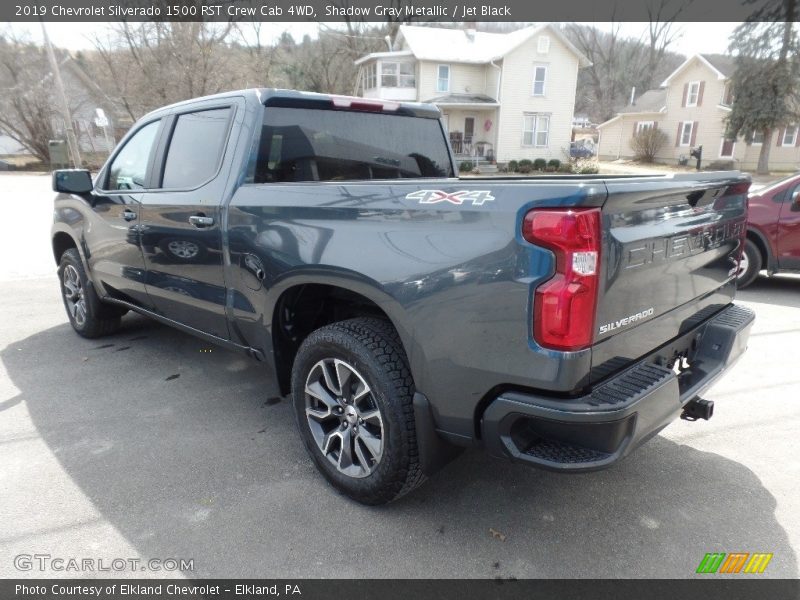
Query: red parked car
x,y
773,231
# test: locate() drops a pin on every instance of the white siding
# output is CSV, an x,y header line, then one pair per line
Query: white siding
x,y
516,98
464,79
710,122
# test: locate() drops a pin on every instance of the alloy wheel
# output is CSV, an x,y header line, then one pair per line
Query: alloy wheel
x,y
744,264
74,295
344,417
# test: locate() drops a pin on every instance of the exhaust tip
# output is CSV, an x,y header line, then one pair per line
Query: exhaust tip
x,y
698,408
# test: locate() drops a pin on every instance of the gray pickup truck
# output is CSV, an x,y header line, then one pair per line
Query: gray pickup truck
x,y
556,321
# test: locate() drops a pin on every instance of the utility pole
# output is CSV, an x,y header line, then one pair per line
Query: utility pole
x,y
61,95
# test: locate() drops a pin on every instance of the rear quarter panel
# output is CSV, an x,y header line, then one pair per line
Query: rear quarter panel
x,y
456,280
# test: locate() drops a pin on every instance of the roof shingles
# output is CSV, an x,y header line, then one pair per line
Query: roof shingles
x,y
650,102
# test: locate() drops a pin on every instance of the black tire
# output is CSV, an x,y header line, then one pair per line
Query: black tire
x,y
754,265
372,349
96,319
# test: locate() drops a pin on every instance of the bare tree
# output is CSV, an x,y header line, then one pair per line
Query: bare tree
x,y
146,65
619,63
661,33
26,111
602,90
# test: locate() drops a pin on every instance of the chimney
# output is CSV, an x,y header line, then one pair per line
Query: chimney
x,y
470,32
633,95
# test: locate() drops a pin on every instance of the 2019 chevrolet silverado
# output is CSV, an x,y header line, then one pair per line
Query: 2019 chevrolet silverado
x,y
556,321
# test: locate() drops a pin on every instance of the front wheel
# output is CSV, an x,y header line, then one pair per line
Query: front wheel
x,y
749,265
88,316
352,392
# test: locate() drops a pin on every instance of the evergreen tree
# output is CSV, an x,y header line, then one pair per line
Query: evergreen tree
x,y
766,78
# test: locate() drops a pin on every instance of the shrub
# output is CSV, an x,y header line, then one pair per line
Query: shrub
x,y
466,166
525,166
720,165
554,164
513,166
539,164
583,166
647,143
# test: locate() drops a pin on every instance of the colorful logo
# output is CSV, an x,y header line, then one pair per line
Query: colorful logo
x,y
735,562
477,197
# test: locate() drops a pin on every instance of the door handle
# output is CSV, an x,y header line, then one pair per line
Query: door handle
x,y
201,221
128,215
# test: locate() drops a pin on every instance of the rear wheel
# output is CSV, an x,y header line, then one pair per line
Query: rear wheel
x,y
352,392
88,316
749,265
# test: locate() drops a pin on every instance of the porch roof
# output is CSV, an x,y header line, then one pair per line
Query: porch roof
x,y
472,101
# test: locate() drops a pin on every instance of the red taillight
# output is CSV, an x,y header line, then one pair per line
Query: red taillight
x,y
565,305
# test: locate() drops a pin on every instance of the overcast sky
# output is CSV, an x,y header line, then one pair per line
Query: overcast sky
x,y
695,37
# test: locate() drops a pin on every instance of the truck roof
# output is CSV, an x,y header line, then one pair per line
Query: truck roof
x,y
300,99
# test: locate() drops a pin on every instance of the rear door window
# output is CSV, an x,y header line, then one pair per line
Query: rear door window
x,y
332,145
195,148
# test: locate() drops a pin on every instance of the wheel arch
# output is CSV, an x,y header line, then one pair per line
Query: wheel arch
x,y
63,241
761,242
304,304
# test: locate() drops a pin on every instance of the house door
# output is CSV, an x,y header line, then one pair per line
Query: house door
x,y
726,151
469,133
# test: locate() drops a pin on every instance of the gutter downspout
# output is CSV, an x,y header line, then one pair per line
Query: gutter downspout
x,y
497,97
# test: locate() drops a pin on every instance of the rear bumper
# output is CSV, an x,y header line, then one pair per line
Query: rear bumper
x,y
597,430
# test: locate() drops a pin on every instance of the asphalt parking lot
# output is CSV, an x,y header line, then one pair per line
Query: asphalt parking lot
x,y
147,445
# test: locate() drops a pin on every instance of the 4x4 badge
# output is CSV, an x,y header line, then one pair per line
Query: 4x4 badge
x,y
477,197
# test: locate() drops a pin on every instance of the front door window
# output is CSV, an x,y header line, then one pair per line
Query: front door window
x,y
469,132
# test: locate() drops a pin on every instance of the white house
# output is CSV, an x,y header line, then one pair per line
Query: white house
x,y
690,107
503,96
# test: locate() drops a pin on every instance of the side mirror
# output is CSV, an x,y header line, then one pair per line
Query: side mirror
x,y
796,200
72,181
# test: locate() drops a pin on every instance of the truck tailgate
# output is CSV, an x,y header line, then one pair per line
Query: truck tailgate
x,y
670,250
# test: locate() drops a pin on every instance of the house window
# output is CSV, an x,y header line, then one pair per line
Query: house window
x,y
443,78
790,135
693,94
758,138
371,76
394,74
727,94
686,133
642,126
536,130
543,44
539,78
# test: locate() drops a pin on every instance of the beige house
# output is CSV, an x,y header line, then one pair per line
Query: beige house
x,y
503,96
690,107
